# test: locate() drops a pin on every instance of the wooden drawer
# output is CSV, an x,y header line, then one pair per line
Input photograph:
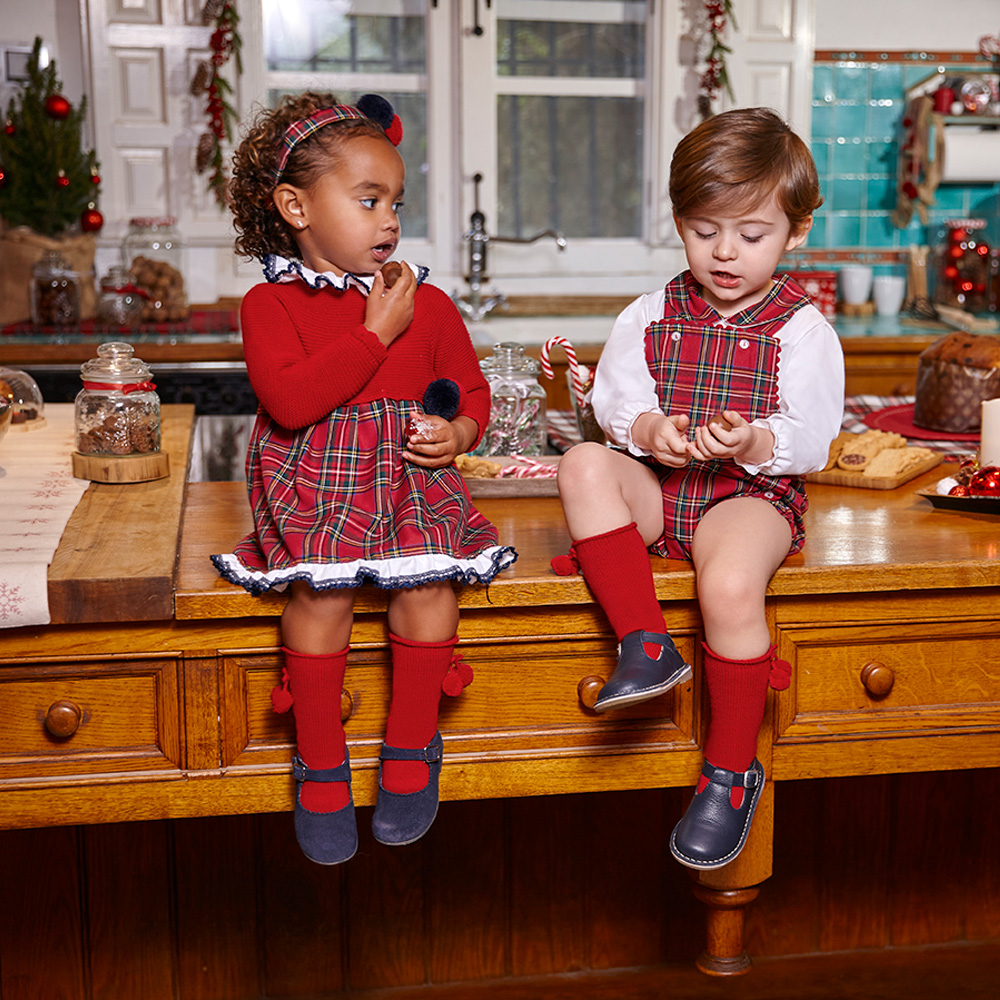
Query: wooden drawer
x,y
890,680
524,700
86,718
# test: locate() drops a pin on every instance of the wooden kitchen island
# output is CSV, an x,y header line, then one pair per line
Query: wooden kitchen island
x,y
890,617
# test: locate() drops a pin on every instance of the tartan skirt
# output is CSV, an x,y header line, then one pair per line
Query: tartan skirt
x,y
336,504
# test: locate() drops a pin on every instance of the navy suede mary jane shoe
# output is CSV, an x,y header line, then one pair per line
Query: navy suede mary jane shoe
x,y
712,833
326,838
639,676
402,818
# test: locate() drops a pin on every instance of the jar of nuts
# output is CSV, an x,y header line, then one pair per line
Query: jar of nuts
x,y
117,410
152,251
55,299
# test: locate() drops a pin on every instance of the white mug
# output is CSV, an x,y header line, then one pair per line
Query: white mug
x,y
855,284
888,291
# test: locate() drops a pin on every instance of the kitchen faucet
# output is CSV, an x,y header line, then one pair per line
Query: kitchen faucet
x,y
477,305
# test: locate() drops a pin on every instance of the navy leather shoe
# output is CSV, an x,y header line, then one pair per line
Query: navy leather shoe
x,y
326,838
402,818
637,676
712,833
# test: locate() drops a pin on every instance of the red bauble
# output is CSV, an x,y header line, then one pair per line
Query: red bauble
x,y
62,180
3,178
958,491
986,482
56,106
91,220
95,178
10,128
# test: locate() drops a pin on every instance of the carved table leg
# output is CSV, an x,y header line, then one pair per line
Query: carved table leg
x,y
724,954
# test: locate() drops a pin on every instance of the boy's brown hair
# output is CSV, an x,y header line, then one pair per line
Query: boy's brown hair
x,y
737,159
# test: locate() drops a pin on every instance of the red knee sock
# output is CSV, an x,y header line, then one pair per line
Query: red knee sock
x,y
418,670
616,568
737,696
315,684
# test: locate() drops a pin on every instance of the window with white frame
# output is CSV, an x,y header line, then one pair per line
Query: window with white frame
x,y
547,101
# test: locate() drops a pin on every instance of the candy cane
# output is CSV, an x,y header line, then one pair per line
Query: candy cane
x,y
528,469
577,376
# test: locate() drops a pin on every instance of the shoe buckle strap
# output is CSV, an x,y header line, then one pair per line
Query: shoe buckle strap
x,y
342,772
430,754
731,779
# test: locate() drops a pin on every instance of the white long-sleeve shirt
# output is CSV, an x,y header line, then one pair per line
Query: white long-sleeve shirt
x,y
810,387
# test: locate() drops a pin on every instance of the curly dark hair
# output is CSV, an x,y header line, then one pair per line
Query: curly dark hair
x,y
736,158
260,227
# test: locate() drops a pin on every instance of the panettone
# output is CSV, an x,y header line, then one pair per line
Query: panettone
x,y
955,375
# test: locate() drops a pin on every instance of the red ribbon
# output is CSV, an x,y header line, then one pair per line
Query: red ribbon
x,y
125,387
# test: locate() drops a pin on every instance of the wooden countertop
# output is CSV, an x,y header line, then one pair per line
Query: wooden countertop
x,y
858,541
117,557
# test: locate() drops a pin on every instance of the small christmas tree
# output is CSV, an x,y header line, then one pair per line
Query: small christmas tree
x,y
47,181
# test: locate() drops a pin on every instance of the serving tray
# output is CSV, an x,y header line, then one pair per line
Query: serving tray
x,y
511,486
841,477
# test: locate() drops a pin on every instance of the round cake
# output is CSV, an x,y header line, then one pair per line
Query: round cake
x,y
955,375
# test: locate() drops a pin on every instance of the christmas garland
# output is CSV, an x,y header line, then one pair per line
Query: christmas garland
x,y
716,76
225,43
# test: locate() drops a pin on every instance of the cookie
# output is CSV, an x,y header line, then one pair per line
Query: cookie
x,y
836,447
895,461
856,454
477,468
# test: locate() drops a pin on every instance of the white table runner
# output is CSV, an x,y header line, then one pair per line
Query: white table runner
x,y
38,493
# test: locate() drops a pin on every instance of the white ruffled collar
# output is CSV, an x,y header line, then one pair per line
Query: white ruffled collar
x,y
282,269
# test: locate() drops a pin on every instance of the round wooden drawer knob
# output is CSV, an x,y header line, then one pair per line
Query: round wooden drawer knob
x,y
877,679
346,705
63,719
588,689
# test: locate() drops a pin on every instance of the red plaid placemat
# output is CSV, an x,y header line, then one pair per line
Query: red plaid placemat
x,y
857,408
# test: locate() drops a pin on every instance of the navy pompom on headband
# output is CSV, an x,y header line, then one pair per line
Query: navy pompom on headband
x,y
370,106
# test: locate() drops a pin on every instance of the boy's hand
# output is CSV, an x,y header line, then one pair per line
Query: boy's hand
x,y
389,311
726,435
663,436
440,440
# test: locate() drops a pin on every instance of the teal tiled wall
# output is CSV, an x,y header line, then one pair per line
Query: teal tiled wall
x,y
857,115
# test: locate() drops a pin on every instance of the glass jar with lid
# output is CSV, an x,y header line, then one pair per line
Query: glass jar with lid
x,y
117,410
153,253
55,296
27,407
517,423
121,302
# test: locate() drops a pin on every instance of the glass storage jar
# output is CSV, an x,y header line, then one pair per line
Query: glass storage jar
x,y
55,296
117,410
121,302
153,253
27,407
517,423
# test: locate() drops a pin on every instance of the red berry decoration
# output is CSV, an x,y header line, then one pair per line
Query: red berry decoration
x,y
986,482
56,106
91,220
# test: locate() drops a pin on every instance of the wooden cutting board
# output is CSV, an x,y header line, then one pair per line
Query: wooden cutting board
x,y
509,486
841,477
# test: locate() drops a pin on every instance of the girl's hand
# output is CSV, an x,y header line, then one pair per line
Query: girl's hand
x,y
664,437
389,311
726,435
437,445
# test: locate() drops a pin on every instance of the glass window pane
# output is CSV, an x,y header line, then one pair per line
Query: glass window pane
x,y
328,41
572,163
572,40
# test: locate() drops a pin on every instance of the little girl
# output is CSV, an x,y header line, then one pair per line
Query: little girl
x,y
349,481
718,394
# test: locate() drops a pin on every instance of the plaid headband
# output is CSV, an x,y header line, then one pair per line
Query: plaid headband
x,y
305,127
